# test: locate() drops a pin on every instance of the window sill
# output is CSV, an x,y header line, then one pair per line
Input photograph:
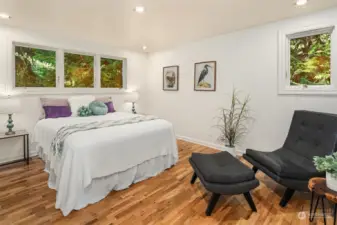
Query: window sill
x,y
62,91
307,91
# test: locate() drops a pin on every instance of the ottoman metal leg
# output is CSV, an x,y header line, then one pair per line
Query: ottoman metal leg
x,y
250,201
214,199
194,177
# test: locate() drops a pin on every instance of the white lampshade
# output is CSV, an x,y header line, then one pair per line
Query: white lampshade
x,y
132,97
10,106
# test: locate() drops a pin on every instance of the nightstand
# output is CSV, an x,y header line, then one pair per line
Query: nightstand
x,y
25,137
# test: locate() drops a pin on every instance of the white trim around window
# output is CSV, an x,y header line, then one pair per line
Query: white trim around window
x,y
284,86
60,89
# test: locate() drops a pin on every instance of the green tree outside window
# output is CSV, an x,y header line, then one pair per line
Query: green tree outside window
x,y
78,71
310,60
111,73
34,67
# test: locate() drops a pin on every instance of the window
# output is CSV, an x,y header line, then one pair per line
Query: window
x,y
45,70
310,60
111,73
305,62
34,67
78,71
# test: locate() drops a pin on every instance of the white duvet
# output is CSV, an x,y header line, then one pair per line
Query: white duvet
x,y
101,152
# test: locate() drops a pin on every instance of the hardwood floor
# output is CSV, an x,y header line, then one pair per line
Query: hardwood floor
x,y
168,198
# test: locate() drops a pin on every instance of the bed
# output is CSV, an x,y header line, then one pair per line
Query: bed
x,y
94,162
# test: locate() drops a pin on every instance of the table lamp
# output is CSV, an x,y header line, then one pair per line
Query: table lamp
x,y
10,106
132,97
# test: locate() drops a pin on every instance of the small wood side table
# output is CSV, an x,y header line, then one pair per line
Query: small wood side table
x,y
318,186
25,136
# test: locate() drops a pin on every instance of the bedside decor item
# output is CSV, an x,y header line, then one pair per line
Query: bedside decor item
x,y
232,122
132,97
25,135
84,111
10,106
98,108
328,164
171,78
205,76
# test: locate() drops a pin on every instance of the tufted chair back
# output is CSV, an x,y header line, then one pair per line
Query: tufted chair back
x,y
312,134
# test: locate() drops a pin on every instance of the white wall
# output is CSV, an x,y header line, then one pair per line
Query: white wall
x,y
11,149
246,60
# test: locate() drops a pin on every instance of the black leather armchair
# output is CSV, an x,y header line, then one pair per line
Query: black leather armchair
x,y
310,134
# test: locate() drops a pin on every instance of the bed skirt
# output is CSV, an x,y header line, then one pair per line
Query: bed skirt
x,y
101,187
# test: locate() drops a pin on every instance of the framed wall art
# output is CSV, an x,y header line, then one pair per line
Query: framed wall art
x,y
205,76
171,78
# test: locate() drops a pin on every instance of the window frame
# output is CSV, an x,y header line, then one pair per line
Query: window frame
x,y
99,70
284,86
60,87
13,80
74,52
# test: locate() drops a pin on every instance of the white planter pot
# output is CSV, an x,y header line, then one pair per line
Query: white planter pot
x,y
230,150
331,181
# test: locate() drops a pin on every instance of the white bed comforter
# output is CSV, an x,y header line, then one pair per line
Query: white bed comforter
x,y
100,152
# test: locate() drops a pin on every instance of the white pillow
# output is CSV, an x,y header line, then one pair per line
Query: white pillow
x,y
78,101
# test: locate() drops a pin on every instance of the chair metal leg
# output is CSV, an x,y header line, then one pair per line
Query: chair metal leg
x,y
286,197
250,201
194,177
255,169
214,199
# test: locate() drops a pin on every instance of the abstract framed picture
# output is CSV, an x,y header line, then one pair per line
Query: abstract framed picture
x,y
205,76
171,78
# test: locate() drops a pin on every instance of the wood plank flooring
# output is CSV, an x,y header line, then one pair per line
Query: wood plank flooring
x,y
166,199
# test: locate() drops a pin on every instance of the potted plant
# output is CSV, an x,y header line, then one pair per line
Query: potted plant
x,y
233,122
328,164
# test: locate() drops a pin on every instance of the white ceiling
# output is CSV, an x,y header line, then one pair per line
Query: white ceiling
x,y
165,24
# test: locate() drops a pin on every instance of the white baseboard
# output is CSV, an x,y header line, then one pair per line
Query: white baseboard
x,y
207,144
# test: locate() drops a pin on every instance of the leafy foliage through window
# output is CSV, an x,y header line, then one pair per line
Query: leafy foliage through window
x,y
111,73
310,60
34,67
78,71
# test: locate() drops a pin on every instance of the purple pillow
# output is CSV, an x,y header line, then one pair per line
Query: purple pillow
x,y
110,106
57,111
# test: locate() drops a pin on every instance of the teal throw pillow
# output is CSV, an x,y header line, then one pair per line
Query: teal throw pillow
x,y
84,111
98,108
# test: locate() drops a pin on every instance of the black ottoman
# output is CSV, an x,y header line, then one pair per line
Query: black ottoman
x,y
223,174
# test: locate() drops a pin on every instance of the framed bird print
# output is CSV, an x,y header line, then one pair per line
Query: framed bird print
x,y
205,76
171,78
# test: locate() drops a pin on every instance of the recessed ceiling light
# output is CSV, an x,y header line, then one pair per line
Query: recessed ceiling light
x,y
139,9
301,2
144,47
4,16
